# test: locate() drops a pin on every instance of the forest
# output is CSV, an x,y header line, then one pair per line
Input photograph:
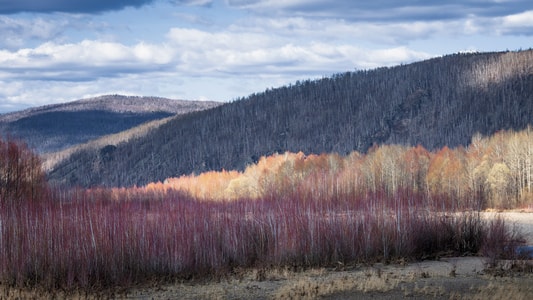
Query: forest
x,y
435,103
394,203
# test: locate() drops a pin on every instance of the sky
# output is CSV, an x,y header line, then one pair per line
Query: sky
x,y
54,51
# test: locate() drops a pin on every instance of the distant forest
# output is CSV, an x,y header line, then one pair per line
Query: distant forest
x,y
440,102
55,127
52,131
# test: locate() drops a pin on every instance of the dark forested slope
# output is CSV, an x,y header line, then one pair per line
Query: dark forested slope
x,y
441,101
58,126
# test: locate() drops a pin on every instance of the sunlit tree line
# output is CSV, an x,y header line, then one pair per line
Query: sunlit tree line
x,y
492,172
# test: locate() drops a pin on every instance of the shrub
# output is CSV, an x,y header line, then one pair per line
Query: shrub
x,y
21,175
501,242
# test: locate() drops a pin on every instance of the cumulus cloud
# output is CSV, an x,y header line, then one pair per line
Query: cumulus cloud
x,y
192,52
78,6
82,61
246,52
521,23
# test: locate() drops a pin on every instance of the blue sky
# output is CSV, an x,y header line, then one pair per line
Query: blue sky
x,y
61,50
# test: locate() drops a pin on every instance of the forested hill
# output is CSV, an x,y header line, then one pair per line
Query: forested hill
x,y
438,102
58,126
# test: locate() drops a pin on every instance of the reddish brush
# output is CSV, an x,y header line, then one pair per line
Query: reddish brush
x,y
88,242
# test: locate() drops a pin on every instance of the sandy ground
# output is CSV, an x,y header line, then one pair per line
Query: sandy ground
x,y
446,278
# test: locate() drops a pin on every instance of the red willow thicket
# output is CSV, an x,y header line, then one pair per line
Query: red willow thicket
x,y
88,241
309,211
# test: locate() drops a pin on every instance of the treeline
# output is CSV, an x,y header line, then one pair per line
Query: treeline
x,y
435,103
492,172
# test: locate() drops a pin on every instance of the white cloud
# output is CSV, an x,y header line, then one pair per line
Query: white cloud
x,y
338,31
240,52
521,20
86,60
16,32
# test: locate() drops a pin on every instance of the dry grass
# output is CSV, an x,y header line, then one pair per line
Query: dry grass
x,y
508,288
424,280
312,288
393,283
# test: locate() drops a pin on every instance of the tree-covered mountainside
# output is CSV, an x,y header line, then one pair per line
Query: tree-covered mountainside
x,y
439,102
54,127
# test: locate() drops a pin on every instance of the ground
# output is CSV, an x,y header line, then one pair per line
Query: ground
x,y
448,278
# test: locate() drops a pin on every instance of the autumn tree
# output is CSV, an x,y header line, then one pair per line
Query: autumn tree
x,y
499,181
518,158
415,164
447,175
21,175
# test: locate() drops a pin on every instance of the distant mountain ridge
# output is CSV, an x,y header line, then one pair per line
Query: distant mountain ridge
x,y
114,103
58,126
438,102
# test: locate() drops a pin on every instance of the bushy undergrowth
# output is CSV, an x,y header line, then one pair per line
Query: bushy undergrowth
x,y
85,240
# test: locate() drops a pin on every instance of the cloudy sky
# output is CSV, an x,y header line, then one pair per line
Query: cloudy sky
x,y
61,50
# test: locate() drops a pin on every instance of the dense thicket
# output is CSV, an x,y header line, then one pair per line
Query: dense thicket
x,y
89,241
435,103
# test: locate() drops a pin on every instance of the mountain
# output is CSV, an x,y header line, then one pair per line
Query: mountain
x,y
50,160
55,127
438,102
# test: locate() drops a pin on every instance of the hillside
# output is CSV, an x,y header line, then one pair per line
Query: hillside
x,y
50,160
55,127
438,102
